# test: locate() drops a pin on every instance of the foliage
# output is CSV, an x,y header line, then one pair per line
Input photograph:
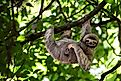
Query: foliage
x,y
23,56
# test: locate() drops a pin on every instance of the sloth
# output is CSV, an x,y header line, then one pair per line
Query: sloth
x,y
68,51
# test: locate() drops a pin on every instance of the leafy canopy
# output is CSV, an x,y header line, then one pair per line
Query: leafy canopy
x,y
23,56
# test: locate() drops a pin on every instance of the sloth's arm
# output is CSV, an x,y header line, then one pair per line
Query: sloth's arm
x,y
50,43
82,59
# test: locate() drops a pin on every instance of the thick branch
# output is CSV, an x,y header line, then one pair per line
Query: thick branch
x,y
13,23
111,70
66,26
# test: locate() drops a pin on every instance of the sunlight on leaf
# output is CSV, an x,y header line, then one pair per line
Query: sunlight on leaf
x,y
40,66
119,70
45,79
97,71
21,38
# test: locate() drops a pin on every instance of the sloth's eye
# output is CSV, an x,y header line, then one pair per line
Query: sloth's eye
x,y
87,40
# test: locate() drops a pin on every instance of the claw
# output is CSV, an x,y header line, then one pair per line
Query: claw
x,y
70,46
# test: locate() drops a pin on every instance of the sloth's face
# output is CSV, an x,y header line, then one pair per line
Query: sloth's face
x,y
91,40
91,43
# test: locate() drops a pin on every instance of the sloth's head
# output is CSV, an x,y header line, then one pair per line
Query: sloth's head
x,y
91,40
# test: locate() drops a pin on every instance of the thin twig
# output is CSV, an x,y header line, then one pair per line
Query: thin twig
x,y
41,9
79,11
18,4
109,43
119,33
61,10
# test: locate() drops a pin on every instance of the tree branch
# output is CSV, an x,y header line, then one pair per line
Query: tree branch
x,y
40,12
119,33
61,10
41,8
79,10
110,71
67,26
23,62
13,20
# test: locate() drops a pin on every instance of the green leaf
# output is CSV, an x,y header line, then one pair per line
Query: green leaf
x,y
112,77
110,1
29,4
21,38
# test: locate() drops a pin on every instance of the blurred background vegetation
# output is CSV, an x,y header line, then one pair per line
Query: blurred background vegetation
x,y
23,56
